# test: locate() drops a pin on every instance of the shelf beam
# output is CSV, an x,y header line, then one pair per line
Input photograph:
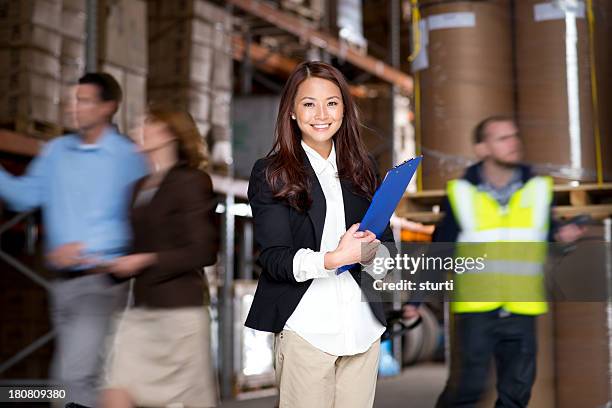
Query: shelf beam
x,y
276,64
17,143
327,42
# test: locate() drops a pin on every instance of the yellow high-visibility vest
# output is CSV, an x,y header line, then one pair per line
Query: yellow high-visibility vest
x,y
513,278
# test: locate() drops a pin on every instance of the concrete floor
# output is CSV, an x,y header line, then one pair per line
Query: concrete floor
x,y
415,387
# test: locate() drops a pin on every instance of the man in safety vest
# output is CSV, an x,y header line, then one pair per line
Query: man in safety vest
x,y
501,201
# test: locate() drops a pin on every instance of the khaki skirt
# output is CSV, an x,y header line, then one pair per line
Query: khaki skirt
x,y
162,357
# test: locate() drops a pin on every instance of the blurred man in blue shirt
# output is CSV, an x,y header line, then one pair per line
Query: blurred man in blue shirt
x,y
82,182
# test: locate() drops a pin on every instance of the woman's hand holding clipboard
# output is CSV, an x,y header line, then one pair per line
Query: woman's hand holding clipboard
x,y
386,199
353,245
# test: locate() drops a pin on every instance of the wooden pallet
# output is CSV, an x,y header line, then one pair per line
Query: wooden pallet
x,y
584,194
592,199
20,144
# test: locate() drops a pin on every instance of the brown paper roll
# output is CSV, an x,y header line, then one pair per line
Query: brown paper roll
x,y
582,343
469,78
581,354
603,55
543,94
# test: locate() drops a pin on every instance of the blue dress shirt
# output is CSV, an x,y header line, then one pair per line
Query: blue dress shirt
x,y
83,189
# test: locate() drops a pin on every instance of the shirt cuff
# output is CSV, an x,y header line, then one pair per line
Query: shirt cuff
x,y
308,264
376,268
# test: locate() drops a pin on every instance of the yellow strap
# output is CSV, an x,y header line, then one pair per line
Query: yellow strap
x,y
416,32
417,126
596,130
416,49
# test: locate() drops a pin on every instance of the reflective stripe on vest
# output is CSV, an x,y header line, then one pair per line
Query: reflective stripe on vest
x,y
509,275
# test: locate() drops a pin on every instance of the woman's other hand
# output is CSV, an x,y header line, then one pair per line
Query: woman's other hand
x,y
130,265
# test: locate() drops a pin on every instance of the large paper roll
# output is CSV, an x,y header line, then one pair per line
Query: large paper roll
x,y
466,76
555,104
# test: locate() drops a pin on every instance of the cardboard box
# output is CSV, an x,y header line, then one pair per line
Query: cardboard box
x,y
20,35
208,11
47,13
193,100
73,50
79,5
201,31
221,108
135,99
203,127
182,69
73,23
154,8
223,64
67,101
123,34
170,46
192,30
222,39
193,20
25,83
190,50
28,108
23,59
193,8
189,30
71,72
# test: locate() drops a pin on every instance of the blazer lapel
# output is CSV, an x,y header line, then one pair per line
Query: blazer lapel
x,y
317,210
355,206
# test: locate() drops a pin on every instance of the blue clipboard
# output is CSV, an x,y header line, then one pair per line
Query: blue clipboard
x,y
386,199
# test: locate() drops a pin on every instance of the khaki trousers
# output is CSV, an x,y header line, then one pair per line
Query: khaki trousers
x,y
308,377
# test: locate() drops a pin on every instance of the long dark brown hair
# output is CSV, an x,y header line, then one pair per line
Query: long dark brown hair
x,y
286,173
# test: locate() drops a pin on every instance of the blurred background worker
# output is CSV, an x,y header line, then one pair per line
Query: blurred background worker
x,y
161,353
498,200
82,182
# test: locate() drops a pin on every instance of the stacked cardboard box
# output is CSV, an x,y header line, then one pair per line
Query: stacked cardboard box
x,y
190,65
310,10
30,48
122,52
72,55
42,55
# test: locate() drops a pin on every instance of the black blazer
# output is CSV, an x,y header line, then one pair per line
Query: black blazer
x,y
280,231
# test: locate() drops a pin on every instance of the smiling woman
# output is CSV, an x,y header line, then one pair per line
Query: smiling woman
x,y
318,112
307,196
317,94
